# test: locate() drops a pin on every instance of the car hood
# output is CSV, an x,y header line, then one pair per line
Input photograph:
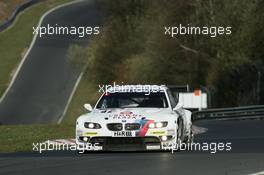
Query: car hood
x,y
128,115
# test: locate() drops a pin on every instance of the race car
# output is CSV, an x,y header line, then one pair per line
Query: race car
x,y
134,117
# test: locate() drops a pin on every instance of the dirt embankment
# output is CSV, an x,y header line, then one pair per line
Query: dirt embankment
x,y
7,7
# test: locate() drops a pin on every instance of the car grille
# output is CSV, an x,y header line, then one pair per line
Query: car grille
x,y
132,126
124,143
115,126
119,126
125,140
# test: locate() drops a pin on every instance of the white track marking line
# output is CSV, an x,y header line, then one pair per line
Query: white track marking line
x,y
61,141
257,173
27,53
198,130
31,46
70,98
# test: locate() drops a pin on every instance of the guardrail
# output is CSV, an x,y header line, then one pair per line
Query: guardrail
x,y
18,9
249,112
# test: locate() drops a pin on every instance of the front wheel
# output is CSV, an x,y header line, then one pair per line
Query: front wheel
x,y
180,135
190,137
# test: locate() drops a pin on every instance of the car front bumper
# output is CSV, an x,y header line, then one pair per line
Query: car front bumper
x,y
124,143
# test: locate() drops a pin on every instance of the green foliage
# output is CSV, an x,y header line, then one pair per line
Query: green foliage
x,y
78,56
132,47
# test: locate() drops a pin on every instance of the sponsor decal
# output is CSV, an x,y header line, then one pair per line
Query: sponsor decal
x,y
153,147
123,134
90,134
144,127
125,115
158,132
128,113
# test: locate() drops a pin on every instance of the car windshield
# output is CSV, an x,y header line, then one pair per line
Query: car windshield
x,y
133,100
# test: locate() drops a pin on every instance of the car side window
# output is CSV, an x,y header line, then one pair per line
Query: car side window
x,y
171,98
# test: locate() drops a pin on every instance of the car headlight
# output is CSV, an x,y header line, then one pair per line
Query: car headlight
x,y
91,125
157,125
151,125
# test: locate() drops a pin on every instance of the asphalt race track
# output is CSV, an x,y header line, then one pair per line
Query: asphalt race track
x,y
44,83
246,157
40,93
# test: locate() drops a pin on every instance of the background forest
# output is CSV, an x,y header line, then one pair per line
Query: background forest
x,y
133,49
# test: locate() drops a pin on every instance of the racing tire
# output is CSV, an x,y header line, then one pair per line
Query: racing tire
x,y
180,135
189,138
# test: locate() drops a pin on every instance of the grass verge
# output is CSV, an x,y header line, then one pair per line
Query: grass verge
x,y
19,138
15,41
86,92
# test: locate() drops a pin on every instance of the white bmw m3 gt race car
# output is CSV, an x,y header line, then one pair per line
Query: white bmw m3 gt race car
x,y
134,117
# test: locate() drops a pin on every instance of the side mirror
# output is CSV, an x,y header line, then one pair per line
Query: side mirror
x,y
178,106
88,107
